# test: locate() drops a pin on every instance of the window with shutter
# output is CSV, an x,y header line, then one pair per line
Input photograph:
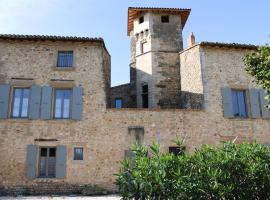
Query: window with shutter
x,y
20,103
62,103
239,103
47,162
4,101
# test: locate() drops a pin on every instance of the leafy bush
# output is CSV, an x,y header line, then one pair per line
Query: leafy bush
x,y
233,171
258,65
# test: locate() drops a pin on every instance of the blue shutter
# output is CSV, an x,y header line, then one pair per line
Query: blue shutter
x,y
264,102
61,159
4,100
227,102
31,161
255,103
77,103
46,101
35,102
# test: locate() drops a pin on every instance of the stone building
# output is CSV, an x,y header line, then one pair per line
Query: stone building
x,y
59,129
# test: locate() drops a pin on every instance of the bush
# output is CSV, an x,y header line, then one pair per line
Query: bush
x,y
233,171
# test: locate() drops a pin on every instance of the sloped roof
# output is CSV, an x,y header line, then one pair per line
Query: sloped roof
x,y
228,45
134,12
50,37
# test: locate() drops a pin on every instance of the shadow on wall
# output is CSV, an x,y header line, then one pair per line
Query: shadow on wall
x,y
169,97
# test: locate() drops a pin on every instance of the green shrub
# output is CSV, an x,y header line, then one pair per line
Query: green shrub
x,y
233,171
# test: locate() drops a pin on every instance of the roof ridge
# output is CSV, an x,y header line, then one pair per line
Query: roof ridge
x,y
49,37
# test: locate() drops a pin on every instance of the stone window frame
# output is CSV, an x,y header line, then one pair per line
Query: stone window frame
x,y
165,19
141,19
248,105
61,84
119,98
74,154
73,68
19,83
62,103
38,162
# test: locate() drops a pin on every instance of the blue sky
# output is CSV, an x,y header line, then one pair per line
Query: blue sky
x,y
239,21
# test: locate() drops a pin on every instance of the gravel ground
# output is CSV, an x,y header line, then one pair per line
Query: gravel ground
x,y
114,197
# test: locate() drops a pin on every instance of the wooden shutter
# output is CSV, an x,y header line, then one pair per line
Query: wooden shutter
x,y
46,101
61,159
77,103
264,102
4,100
227,102
255,103
35,102
31,161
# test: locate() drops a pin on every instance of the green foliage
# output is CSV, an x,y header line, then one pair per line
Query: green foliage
x,y
229,172
258,65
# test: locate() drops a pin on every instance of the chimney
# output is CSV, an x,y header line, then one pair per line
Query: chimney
x,y
191,39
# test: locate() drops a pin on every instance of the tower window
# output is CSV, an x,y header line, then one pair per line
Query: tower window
x,y
143,47
145,96
141,20
165,19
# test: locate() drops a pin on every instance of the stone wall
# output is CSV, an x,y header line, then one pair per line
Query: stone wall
x,y
122,92
104,133
191,78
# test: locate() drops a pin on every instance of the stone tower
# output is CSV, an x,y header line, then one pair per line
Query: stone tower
x,y
156,40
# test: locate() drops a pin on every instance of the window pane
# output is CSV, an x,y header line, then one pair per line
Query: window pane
x,y
58,103
242,104
78,153
16,103
25,102
235,103
65,59
118,103
67,94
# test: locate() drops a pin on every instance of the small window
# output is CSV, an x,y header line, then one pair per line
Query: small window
x,y
47,162
20,102
143,47
141,20
65,59
145,96
78,153
118,103
239,103
62,103
165,19
176,150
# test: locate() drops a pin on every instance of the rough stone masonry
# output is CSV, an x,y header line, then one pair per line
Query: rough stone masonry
x,y
59,130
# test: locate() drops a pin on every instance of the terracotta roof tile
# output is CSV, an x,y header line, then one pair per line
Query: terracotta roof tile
x,y
133,12
228,45
50,37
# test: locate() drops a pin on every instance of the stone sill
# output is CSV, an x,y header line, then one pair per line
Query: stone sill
x,y
156,109
47,180
64,68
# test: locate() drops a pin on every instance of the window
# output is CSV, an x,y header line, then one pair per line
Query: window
x,y
47,162
65,59
176,150
78,153
239,103
20,102
118,103
165,19
143,47
141,19
62,103
145,96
